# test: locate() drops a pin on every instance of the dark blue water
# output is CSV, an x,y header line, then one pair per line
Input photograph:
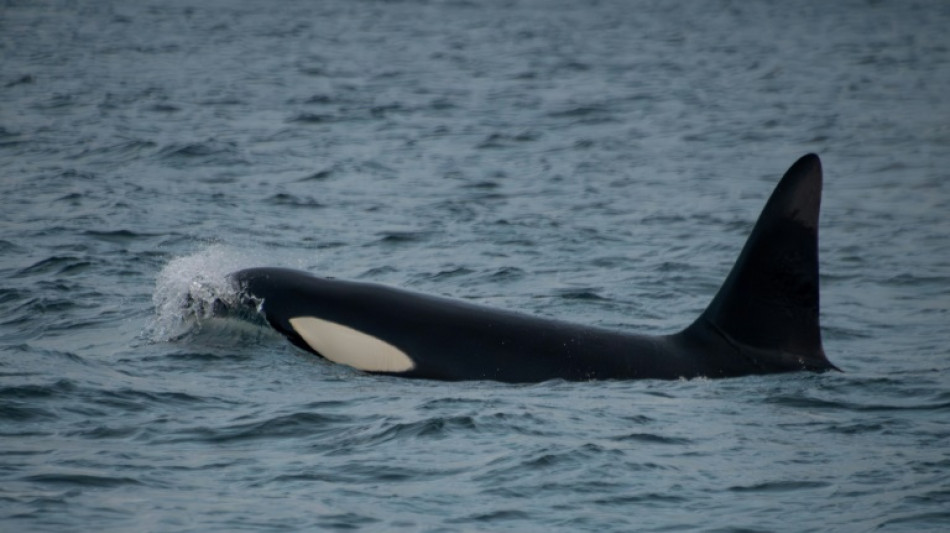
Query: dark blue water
x,y
600,162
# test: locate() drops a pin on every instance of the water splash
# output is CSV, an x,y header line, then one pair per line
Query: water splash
x,y
189,289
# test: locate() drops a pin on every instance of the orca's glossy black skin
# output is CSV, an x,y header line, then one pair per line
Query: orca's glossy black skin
x,y
764,319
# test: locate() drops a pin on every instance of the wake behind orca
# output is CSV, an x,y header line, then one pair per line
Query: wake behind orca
x,y
764,319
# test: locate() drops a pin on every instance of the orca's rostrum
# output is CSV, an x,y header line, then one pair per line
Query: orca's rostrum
x,y
764,319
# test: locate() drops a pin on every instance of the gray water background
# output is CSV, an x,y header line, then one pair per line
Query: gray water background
x,y
600,162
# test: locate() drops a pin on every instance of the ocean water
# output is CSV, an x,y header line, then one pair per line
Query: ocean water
x,y
596,161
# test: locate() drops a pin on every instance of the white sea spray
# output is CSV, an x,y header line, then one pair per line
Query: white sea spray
x,y
187,287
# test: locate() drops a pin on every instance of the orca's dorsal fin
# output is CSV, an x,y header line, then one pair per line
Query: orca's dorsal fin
x,y
769,302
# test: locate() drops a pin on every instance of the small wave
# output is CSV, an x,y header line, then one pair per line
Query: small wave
x,y
319,99
506,274
121,236
164,108
123,151
917,280
363,471
804,402
104,432
427,429
586,114
920,521
56,101
651,438
449,273
34,392
294,425
401,237
345,521
648,498
198,356
319,175
197,149
82,480
210,152
25,79
523,423
430,428
57,264
492,517
290,200
14,412
312,118
504,140
10,248
857,428
780,486
588,294
574,457
12,295
140,400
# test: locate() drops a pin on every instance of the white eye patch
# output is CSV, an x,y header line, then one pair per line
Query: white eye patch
x,y
348,346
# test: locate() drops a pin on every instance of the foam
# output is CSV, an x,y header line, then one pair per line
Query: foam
x,y
187,288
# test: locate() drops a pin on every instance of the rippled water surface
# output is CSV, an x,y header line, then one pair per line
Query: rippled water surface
x,y
600,162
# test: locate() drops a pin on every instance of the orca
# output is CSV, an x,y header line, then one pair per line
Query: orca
x,y
763,320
